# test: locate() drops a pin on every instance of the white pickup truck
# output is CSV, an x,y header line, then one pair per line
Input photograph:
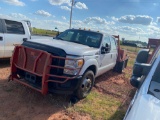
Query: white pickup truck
x,y
12,32
67,64
145,104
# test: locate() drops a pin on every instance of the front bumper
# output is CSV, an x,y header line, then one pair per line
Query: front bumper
x,y
36,69
65,88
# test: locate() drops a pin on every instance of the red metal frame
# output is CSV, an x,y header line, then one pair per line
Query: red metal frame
x,y
122,54
156,44
36,62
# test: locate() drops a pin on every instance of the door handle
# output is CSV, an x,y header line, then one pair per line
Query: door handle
x,y
24,39
111,55
1,38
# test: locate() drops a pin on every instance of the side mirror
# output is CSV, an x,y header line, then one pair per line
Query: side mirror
x,y
135,81
108,47
24,39
57,33
142,56
140,68
105,49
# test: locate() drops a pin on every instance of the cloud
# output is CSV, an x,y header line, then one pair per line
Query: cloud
x,y
138,19
80,5
65,8
131,30
158,19
14,2
50,24
15,16
59,2
156,4
114,18
33,0
133,0
43,13
97,20
77,22
5,16
153,30
63,17
19,16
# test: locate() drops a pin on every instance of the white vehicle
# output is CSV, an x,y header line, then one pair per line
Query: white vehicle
x,y
12,32
76,58
146,77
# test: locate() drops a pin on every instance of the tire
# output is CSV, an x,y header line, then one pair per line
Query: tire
x,y
121,66
86,84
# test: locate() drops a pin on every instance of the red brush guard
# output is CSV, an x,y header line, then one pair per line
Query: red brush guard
x,y
36,64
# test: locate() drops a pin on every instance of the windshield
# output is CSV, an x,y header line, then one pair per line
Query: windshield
x,y
89,38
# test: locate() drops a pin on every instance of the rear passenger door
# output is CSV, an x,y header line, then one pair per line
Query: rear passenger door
x,y
113,51
1,40
14,34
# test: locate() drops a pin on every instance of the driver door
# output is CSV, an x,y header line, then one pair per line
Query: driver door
x,y
105,59
1,40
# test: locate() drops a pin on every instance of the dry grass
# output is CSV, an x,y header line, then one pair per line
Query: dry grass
x,y
108,100
111,96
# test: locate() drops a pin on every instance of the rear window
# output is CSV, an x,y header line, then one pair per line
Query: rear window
x,y
14,27
1,27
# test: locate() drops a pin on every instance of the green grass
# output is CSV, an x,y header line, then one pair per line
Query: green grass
x,y
130,48
38,31
131,62
132,52
99,106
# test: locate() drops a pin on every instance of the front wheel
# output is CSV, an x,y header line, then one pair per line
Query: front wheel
x,y
86,84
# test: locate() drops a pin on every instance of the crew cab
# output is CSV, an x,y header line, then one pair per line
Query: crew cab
x,y
67,64
146,78
12,32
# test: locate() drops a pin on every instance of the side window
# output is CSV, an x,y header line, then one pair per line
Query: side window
x,y
1,27
14,27
113,44
106,40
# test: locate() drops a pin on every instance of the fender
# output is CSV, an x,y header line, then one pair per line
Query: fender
x,y
87,64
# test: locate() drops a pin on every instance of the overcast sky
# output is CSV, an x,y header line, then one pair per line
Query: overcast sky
x,y
131,19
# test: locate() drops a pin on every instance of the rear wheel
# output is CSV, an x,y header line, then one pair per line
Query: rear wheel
x,y
86,84
119,67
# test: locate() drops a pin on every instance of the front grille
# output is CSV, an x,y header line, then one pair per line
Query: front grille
x,y
57,62
52,50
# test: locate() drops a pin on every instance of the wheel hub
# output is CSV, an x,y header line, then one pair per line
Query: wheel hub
x,y
86,85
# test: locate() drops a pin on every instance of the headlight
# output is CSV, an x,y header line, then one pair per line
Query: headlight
x,y
73,65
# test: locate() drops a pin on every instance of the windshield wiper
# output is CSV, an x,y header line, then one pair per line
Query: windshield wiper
x,y
79,43
76,42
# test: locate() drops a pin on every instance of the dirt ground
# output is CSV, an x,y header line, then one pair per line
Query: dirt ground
x,y
18,102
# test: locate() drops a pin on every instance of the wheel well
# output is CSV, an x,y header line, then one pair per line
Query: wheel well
x,y
93,68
